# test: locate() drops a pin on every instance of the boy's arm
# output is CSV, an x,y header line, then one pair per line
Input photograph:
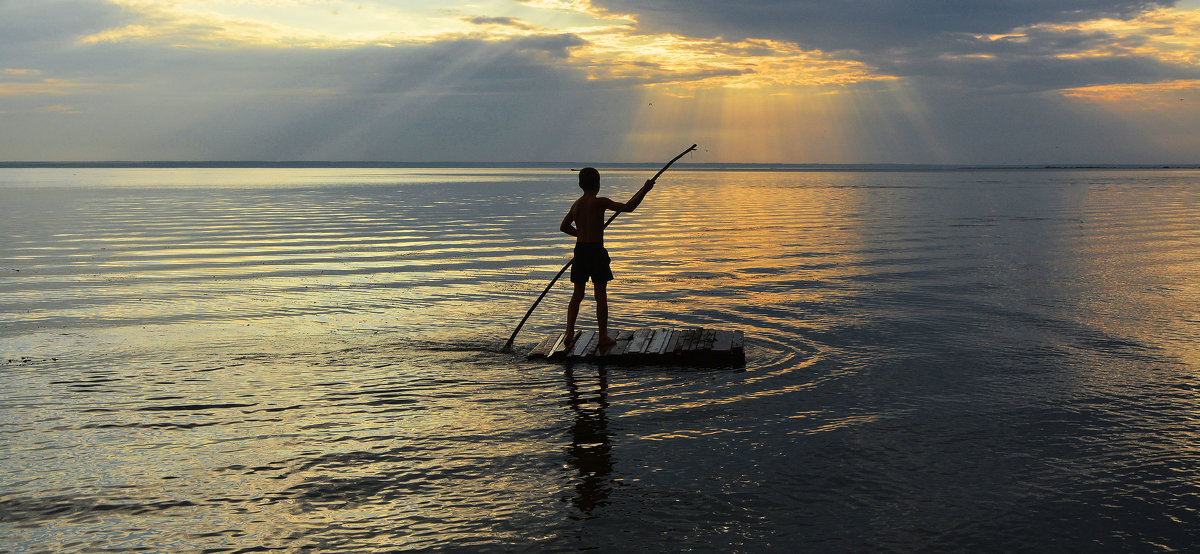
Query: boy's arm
x,y
567,226
634,200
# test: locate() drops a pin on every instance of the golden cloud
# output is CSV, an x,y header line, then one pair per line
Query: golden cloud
x,y
1168,35
1161,94
578,6
60,109
56,87
676,62
180,28
614,49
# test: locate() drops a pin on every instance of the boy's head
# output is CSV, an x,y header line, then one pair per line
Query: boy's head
x,y
589,179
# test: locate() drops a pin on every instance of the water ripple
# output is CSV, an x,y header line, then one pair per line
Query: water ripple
x,y
310,359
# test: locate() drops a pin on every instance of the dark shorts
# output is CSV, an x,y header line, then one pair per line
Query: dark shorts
x,y
591,261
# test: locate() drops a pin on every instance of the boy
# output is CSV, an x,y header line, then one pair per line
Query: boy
x,y
585,222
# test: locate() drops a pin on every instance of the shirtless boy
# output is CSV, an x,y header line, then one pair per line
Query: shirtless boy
x,y
585,222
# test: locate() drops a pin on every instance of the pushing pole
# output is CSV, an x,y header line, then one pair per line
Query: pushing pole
x,y
508,345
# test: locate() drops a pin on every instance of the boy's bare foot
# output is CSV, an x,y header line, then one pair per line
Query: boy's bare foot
x,y
606,340
568,338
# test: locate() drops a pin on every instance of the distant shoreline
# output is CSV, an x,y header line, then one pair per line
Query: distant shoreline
x,y
561,165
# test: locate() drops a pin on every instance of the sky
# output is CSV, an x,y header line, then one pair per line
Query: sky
x,y
1013,82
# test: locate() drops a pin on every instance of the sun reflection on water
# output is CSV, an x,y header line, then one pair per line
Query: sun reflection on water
x,y
315,364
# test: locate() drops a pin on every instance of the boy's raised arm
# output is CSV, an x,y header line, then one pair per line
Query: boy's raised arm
x,y
634,201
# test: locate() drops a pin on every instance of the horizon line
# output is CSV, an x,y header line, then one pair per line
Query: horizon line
x,y
300,164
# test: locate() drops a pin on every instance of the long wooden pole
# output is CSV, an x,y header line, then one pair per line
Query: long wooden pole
x,y
508,345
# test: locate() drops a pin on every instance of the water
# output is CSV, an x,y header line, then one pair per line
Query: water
x,y
212,359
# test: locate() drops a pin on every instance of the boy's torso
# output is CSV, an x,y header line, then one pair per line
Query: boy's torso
x,y
589,218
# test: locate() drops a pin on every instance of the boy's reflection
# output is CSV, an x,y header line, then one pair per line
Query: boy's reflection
x,y
591,450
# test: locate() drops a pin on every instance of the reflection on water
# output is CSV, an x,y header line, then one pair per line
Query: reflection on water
x,y
308,359
591,450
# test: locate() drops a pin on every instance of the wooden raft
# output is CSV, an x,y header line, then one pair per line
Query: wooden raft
x,y
690,346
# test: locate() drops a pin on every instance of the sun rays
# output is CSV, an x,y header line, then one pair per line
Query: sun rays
x,y
746,98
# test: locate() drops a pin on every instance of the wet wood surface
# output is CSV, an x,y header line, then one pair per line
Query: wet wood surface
x,y
648,346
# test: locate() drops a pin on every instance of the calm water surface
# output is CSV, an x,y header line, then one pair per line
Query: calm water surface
x,y
286,359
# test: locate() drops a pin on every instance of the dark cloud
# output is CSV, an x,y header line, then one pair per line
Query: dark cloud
x,y
1040,60
501,21
1036,74
930,39
864,25
450,100
964,98
53,24
556,46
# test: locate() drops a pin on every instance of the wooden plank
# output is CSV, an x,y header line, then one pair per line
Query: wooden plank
x,y
581,343
603,351
685,339
722,341
549,342
634,339
554,348
694,344
592,345
543,348
637,344
623,339
539,350
559,349
661,336
661,344
673,344
649,339
649,345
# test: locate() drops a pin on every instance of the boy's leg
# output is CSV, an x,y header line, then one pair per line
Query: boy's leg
x,y
573,309
601,290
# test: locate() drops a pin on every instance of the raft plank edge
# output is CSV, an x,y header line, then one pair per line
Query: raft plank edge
x,y
692,346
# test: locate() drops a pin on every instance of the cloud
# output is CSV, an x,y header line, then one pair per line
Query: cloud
x,y
681,64
862,25
1164,93
1156,46
500,22
172,26
993,45
609,50
60,109
857,81
454,99
587,7
55,87
51,24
